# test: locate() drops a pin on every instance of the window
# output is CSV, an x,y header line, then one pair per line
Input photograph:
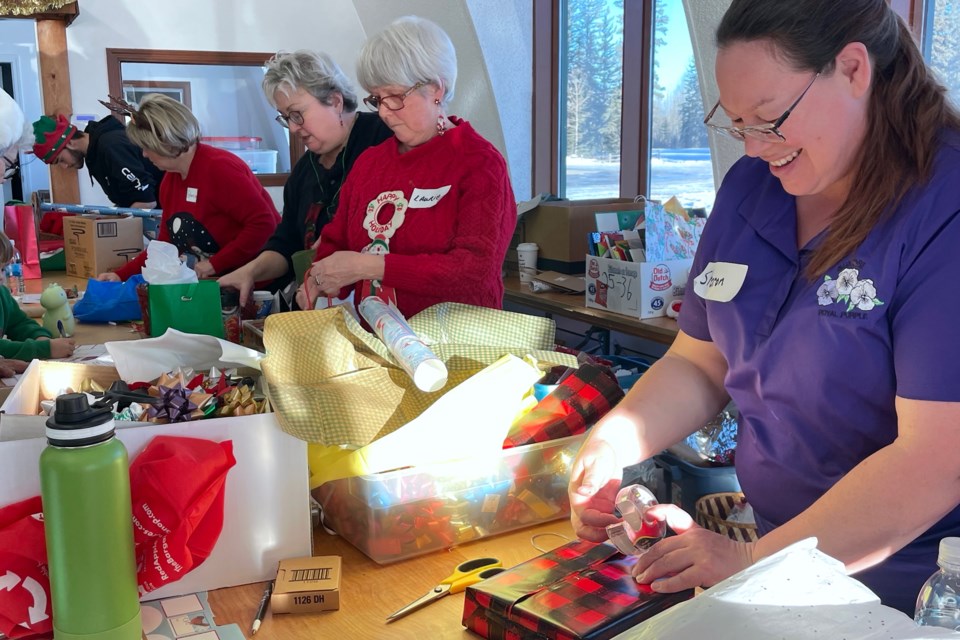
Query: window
x,y
940,42
627,115
680,150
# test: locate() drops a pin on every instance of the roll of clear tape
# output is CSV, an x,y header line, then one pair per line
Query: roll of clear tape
x,y
636,532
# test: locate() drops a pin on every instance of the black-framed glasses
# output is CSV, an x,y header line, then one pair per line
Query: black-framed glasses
x,y
296,117
394,102
12,167
767,132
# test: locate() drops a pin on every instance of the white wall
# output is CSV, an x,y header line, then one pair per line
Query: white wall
x,y
18,46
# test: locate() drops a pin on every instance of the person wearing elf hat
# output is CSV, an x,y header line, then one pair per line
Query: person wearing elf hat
x,y
23,339
118,165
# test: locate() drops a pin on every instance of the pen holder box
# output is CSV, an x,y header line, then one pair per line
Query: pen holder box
x,y
409,512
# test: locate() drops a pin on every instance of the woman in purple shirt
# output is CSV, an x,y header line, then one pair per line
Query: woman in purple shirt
x,y
822,301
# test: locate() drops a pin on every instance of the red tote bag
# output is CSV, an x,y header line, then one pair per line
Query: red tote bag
x,y
20,226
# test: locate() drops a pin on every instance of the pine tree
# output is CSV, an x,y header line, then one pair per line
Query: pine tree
x,y
692,131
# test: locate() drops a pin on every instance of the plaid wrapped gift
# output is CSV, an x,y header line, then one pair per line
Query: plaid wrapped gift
x,y
580,591
581,399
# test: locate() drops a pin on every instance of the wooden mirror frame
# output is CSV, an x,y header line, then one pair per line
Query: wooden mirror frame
x,y
116,57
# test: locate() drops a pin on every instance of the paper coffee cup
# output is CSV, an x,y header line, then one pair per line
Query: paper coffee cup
x,y
527,259
263,303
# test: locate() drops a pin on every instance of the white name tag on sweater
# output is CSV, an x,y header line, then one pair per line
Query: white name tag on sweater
x,y
425,198
720,281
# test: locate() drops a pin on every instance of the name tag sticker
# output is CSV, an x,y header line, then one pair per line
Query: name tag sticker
x,y
425,198
191,194
720,281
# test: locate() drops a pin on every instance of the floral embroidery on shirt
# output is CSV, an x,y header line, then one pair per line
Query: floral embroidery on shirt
x,y
850,290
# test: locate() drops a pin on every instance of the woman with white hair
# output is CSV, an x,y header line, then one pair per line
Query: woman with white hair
x,y
316,101
425,217
14,134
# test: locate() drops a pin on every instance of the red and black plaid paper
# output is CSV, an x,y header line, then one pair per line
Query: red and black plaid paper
x,y
580,591
578,402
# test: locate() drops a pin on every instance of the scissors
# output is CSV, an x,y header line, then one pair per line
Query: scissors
x,y
465,574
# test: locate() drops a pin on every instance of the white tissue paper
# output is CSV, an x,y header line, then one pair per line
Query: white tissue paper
x,y
152,357
163,265
799,593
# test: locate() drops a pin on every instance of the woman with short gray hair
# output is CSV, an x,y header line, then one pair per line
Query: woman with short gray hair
x,y
315,100
215,210
427,216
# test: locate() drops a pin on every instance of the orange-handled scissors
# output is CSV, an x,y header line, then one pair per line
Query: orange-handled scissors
x,y
465,574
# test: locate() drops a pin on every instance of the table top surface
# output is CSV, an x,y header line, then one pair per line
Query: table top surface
x,y
85,333
370,592
569,305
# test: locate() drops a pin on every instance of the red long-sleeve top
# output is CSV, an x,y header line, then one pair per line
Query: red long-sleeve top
x,y
224,195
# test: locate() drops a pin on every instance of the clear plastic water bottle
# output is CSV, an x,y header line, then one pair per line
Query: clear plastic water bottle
x,y
938,604
14,273
88,525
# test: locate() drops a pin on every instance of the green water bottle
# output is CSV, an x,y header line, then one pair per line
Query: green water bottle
x,y
85,486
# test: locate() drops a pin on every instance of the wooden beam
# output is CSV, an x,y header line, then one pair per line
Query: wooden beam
x,y
57,99
68,13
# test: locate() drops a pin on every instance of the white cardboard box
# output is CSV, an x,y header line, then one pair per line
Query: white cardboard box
x,y
638,289
266,508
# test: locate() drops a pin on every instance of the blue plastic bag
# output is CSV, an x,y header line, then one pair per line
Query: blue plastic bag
x,y
109,301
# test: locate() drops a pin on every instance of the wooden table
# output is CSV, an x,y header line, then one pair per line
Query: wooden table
x,y
662,330
370,592
85,333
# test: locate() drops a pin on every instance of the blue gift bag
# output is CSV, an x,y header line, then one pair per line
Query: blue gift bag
x,y
109,301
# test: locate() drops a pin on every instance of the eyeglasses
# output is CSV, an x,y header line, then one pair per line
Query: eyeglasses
x,y
13,167
394,102
296,117
767,132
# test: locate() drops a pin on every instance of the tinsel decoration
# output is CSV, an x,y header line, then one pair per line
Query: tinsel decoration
x,y
30,7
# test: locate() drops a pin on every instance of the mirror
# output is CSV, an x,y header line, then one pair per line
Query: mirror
x,y
223,91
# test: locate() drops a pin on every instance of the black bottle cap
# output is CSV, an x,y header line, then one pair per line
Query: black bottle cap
x,y
74,422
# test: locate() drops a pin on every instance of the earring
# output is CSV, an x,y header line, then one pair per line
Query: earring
x,y
340,115
441,126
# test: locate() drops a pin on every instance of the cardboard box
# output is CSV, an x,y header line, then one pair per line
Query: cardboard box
x,y
94,244
305,585
637,289
560,228
266,506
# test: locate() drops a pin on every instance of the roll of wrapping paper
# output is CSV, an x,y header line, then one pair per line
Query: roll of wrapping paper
x,y
419,361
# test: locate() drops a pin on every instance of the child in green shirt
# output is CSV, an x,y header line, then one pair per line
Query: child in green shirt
x,y
23,337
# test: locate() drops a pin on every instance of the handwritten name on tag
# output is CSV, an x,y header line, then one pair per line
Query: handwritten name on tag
x,y
426,198
720,281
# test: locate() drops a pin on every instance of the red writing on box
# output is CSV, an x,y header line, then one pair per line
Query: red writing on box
x,y
660,278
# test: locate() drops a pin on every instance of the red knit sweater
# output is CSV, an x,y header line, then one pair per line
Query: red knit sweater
x,y
451,251
224,196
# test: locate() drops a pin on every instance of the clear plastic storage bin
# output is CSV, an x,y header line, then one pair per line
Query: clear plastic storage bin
x,y
400,514
259,160
233,142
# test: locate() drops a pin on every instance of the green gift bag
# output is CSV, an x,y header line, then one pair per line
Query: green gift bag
x,y
191,308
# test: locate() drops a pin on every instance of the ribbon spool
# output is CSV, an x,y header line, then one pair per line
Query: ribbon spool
x,y
635,533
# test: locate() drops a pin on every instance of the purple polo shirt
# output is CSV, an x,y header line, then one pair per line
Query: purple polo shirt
x,y
814,367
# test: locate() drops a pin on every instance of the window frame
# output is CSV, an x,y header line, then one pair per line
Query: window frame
x,y
636,105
